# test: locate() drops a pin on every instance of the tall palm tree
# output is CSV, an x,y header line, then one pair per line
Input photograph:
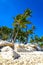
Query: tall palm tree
x,y
36,38
20,21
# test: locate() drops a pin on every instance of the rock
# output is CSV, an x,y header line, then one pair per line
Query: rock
x,y
16,55
16,46
6,49
27,58
8,53
38,48
22,50
33,45
30,47
22,45
25,49
3,42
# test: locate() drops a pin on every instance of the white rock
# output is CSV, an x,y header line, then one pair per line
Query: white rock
x,y
22,50
16,46
7,48
3,42
31,49
22,44
9,53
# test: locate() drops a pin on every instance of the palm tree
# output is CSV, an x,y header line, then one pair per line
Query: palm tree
x,y
5,32
31,40
20,21
36,38
32,31
28,33
0,33
41,39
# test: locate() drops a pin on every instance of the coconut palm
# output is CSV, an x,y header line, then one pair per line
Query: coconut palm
x,y
20,21
5,32
41,39
31,40
36,38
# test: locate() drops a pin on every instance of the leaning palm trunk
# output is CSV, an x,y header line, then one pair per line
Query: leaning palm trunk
x,y
15,36
16,33
26,35
27,39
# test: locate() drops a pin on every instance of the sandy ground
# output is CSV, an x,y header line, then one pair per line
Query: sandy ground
x,y
27,58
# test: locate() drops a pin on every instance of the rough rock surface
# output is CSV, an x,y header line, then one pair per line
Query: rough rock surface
x,y
24,48
8,53
27,58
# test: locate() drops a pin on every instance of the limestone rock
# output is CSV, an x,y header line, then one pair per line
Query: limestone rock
x,y
9,53
24,48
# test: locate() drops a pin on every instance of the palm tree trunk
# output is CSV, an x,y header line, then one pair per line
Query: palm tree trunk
x,y
15,36
26,35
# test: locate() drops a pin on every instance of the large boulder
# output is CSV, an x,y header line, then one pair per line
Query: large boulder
x,y
6,49
8,53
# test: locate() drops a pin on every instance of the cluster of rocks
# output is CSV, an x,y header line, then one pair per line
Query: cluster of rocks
x,y
8,53
25,48
22,54
28,58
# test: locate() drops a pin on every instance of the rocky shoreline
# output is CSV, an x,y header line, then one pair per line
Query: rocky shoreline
x,y
28,58
21,55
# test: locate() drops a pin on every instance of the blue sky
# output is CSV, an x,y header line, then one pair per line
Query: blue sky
x,y
10,8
